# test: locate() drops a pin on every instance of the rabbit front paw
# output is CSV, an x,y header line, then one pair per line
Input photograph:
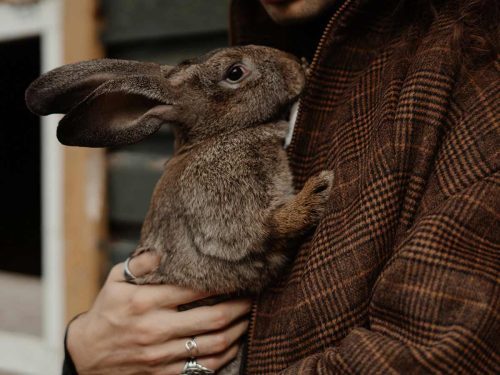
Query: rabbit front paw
x,y
314,195
305,209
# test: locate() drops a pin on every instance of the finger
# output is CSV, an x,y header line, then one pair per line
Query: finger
x,y
206,345
170,295
201,320
155,298
143,263
214,362
138,265
216,342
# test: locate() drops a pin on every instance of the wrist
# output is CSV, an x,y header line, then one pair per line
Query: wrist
x,y
75,338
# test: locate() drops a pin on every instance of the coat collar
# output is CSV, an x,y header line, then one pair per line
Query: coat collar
x,y
250,24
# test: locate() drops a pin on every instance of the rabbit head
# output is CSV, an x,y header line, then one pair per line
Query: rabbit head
x,y
115,102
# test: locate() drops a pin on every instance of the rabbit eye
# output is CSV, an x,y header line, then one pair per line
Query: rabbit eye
x,y
235,73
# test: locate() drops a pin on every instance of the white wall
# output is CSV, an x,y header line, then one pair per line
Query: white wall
x,y
23,353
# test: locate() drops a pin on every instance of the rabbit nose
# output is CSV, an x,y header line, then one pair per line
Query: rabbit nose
x,y
304,65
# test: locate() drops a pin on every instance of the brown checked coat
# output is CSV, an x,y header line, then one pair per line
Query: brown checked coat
x,y
402,274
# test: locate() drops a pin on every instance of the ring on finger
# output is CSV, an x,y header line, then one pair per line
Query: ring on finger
x,y
191,347
127,274
194,368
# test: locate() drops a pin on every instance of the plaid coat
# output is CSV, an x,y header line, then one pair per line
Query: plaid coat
x,y
402,274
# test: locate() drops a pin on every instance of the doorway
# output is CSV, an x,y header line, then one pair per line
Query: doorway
x,y
20,184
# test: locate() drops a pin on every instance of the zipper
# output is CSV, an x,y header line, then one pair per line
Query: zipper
x,y
251,329
317,54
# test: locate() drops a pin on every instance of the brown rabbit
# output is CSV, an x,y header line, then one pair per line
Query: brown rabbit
x,y
224,208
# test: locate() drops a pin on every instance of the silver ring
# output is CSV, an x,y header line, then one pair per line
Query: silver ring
x,y
127,274
191,347
194,368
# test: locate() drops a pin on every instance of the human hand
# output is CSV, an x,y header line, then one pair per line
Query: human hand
x,y
133,329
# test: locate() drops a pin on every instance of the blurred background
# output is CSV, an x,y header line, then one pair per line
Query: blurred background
x,y
68,214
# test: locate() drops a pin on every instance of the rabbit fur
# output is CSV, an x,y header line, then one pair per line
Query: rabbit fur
x,y
224,210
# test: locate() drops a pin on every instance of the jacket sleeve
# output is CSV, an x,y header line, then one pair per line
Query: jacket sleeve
x,y
68,365
445,317
435,308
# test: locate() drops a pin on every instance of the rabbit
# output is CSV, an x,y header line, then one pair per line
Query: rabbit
x,y
224,211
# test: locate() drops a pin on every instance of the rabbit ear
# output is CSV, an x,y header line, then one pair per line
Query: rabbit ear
x,y
61,89
120,111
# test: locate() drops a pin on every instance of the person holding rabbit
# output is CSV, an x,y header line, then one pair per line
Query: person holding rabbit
x,y
401,274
